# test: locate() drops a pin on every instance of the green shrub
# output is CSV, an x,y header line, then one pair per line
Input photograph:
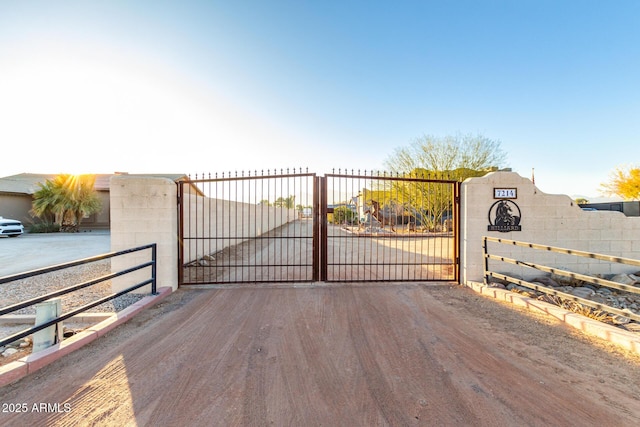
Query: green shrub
x,y
344,215
44,227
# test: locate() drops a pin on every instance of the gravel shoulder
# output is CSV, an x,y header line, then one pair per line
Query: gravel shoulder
x,y
33,251
419,354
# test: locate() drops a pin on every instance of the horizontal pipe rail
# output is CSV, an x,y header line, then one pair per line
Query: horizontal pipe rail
x,y
18,306
550,291
248,177
19,276
68,290
70,314
565,273
567,296
601,257
394,178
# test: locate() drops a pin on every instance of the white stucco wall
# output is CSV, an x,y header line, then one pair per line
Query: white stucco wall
x,y
548,219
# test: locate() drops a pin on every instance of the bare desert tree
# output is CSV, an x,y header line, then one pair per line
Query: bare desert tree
x,y
447,154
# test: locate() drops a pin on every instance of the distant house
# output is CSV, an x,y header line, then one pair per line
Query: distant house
x,y
16,197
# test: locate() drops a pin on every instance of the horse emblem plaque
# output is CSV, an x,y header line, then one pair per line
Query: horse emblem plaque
x,y
504,216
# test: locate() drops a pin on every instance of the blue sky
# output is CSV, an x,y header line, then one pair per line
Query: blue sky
x,y
186,87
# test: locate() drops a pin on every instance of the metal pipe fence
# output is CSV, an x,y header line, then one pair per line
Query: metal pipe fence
x,y
67,290
489,273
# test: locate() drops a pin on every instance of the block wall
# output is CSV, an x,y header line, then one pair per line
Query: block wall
x,y
144,211
548,219
229,222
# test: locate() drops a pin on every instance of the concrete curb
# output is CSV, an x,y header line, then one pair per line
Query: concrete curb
x,y
30,364
625,339
30,318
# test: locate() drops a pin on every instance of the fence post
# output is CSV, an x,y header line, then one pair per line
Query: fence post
x,y
154,259
485,251
46,311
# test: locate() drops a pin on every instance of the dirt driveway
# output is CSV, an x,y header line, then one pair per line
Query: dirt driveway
x,y
400,355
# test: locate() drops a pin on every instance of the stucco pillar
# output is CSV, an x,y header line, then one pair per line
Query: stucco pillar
x,y
144,211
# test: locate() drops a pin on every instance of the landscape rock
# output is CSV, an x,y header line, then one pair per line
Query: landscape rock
x,y
598,298
624,279
620,320
583,292
8,352
546,281
564,280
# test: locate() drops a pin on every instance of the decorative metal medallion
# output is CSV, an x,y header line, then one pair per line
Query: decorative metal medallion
x,y
504,216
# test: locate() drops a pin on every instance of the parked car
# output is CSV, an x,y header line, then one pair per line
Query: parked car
x,y
10,227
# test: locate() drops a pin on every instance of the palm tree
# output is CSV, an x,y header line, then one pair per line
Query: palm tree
x,y
84,200
66,199
47,203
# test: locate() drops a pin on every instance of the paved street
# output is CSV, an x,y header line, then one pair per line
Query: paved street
x,y
32,251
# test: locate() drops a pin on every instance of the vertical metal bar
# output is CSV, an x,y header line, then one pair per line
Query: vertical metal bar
x,y
315,212
355,240
371,263
208,234
353,194
291,238
180,201
154,259
430,217
201,224
199,267
259,271
323,229
256,200
234,244
485,252
239,204
337,241
218,232
398,239
268,233
456,235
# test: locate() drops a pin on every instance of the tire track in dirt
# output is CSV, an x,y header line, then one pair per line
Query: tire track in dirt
x,y
214,384
377,384
192,380
333,355
418,383
328,378
254,406
525,398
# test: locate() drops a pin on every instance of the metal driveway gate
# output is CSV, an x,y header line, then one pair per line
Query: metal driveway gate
x,y
248,228
298,227
389,228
